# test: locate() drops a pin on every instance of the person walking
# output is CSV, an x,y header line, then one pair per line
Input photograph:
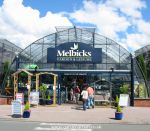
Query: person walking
x,y
71,94
90,97
84,94
77,94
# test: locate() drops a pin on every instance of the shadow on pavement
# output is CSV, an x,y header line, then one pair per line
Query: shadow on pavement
x,y
77,108
112,118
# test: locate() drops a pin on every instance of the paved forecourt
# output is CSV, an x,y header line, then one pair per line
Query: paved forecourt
x,y
75,114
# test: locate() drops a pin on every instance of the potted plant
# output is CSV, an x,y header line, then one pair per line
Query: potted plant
x,y
116,101
49,101
43,89
27,111
118,113
124,89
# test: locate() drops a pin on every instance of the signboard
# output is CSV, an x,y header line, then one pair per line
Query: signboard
x,y
20,97
16,108
124,100
74,52
34,98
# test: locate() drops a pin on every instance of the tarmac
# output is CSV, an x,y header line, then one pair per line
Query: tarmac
x,y
71,113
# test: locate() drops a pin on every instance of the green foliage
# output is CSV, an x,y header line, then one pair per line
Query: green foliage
x,y
3,74
49,98
31,66
118,109
140,91
143,66
6,66
124,89
27,106
23,74
43,89
117,99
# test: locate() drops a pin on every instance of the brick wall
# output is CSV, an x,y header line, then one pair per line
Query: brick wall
x,y
6,101
142,102
3,101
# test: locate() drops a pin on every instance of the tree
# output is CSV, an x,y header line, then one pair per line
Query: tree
x,y
6,67
143,66
4,71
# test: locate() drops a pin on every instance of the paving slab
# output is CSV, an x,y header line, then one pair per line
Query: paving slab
x,y
75,114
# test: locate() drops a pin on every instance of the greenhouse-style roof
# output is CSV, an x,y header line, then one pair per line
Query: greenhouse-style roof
x,y
114,56
143,50
8,51
112,52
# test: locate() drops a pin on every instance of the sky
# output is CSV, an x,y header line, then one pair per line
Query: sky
x,y
125,21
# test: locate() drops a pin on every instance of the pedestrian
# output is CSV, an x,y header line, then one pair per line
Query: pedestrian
x,y
77,94
90,97
71,94
84,94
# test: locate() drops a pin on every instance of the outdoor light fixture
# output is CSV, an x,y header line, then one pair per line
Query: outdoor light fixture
x,y
110,84
17,60
112,69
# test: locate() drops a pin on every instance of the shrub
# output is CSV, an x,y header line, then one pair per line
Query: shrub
x,y
118,109
117,99
49,98
27,106
124,89
43,89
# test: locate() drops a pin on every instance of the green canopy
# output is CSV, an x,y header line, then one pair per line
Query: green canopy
x,y
31,66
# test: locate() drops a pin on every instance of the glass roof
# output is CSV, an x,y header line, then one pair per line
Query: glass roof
x,y
38,49
8,51
142,50
113,54
9,46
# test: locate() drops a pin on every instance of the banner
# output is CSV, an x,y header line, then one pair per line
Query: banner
x,y
20,97
34,98
74,52
124,100
16,108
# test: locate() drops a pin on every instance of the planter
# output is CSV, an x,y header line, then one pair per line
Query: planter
x,y
118,115
49,102
26,114
116,104
42,102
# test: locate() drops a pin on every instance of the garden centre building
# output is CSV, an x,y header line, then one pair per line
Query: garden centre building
x,y
80,56
144,53
8,52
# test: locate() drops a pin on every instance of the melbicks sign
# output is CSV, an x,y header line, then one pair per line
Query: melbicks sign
x,y
74,52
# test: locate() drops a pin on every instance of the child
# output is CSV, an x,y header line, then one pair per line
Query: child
x,y
84,94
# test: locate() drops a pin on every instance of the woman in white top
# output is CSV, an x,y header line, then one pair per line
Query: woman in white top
x,y
84,94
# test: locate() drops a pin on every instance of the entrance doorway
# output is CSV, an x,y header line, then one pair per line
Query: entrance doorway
x,y
71,81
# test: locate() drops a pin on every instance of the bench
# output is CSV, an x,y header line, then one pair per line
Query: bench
x,y
102,99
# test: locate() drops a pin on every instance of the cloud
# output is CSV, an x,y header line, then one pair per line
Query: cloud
x,y
140,38
143,27
128,7
113,17
23,25
104,17
136,41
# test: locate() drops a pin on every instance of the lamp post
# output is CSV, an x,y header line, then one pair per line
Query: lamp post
x,y
111,71
17,60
